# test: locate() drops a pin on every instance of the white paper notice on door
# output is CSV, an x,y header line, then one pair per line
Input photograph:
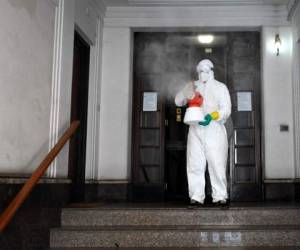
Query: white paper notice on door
x,y
244,101
150,101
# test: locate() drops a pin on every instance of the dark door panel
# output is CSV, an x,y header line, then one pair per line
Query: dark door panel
x,y
244,76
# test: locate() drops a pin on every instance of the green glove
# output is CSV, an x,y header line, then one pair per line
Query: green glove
x,y
207,120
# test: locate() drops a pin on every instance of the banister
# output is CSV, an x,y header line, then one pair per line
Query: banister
x,y
12,208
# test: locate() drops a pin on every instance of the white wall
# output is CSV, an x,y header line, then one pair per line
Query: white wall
x,y
277,79
86,20
296,86
277,105
26,38
27,98
36,79
115,112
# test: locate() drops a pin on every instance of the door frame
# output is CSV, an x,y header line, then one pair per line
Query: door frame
x,y
61,87
256,101
79,111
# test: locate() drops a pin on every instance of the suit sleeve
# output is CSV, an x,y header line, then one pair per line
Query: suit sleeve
x,y
180,100
224,105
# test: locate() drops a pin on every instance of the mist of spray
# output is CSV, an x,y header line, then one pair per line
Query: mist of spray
x,y
165,61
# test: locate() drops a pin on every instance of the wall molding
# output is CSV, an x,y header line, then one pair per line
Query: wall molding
x,y
57,110
56,84
296,100
210,16
93,104
295,16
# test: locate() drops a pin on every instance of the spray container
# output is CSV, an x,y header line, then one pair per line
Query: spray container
x,y
194,113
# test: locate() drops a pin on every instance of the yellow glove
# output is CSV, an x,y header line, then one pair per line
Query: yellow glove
x,y
215,115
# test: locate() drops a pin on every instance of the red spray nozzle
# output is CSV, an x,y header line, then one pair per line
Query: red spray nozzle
x,y
196,101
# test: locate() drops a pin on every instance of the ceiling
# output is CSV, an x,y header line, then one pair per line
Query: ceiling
x,y
193,2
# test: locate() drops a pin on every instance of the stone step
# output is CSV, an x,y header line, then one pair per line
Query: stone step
x,y
181,248
180,216
175,236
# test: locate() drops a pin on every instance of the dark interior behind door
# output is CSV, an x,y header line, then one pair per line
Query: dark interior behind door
x,y
79,108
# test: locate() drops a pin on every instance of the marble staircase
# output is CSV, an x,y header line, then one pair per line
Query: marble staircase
x,y
177,227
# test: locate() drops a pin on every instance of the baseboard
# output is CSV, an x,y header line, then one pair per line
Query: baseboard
x,y
282,191
107,191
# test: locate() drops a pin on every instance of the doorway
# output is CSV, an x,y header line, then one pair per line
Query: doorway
x,y
176,131
163,62
79,109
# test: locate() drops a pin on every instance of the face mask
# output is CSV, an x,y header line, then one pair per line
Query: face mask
x,y
203,76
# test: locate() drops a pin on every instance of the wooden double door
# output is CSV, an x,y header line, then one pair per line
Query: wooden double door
x,y
163,62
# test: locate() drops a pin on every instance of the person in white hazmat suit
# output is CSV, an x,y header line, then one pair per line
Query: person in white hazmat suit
x,y
207,141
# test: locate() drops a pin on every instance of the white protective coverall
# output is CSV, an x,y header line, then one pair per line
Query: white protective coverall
x,y
208,143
